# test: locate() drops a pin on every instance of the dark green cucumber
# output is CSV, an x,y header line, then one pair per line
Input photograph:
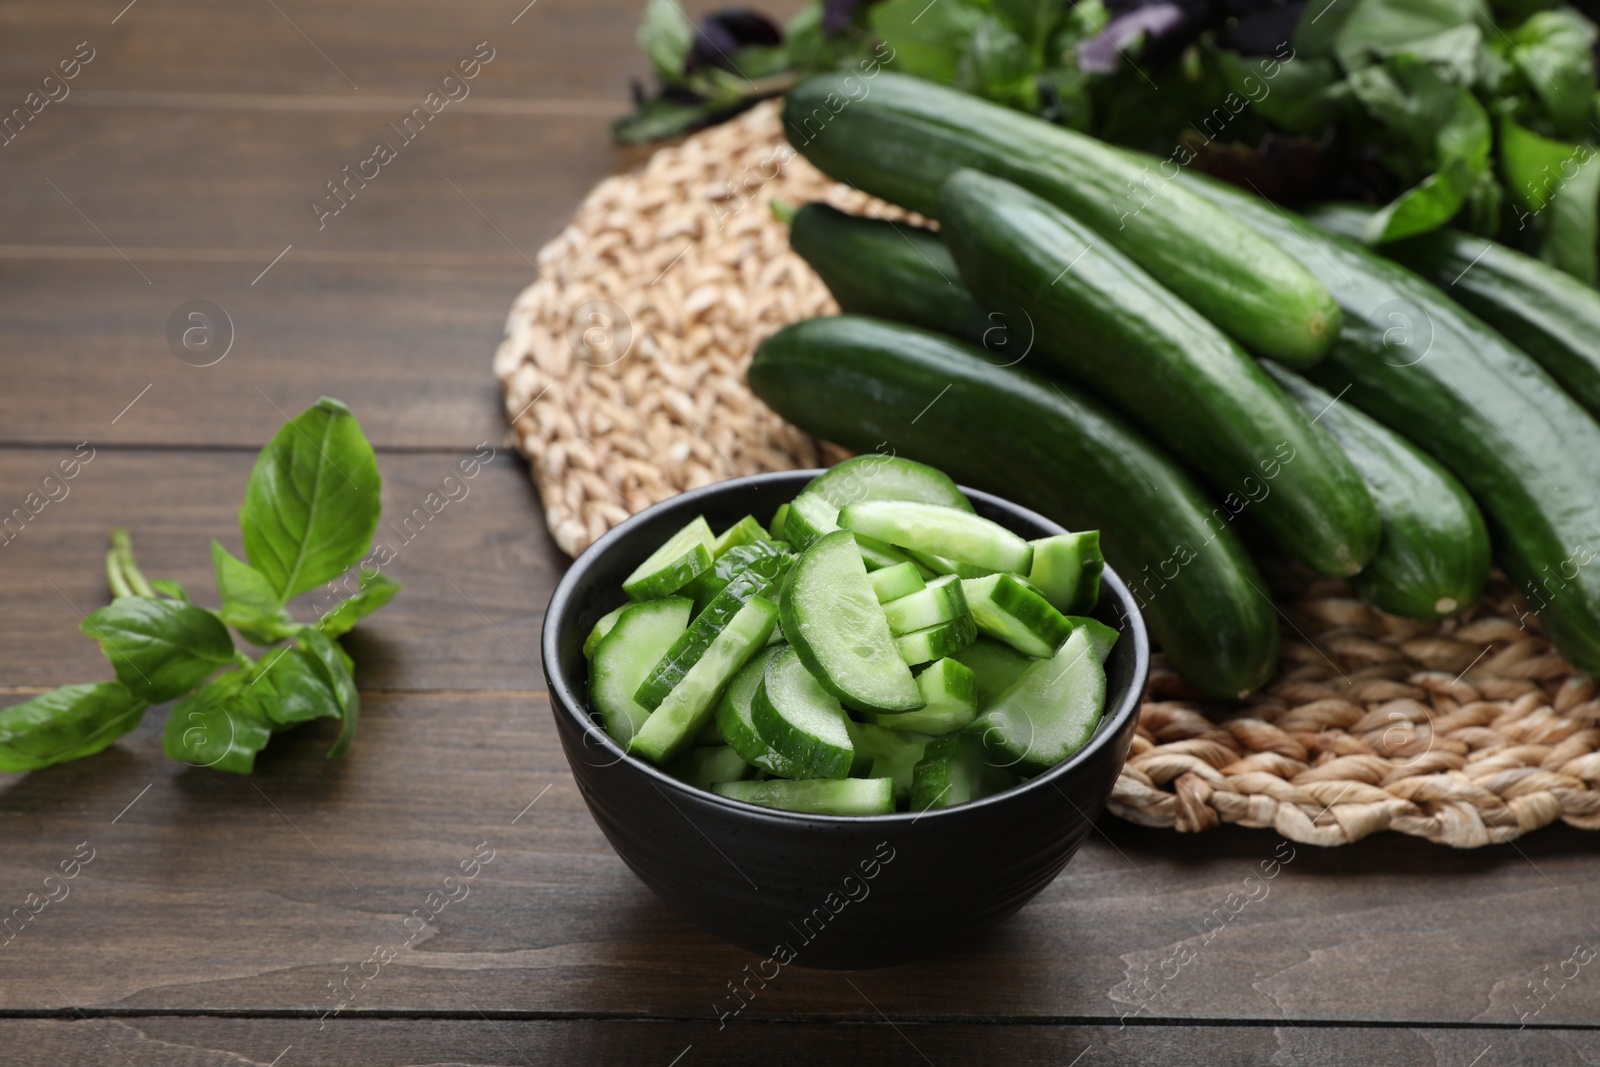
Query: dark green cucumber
x,y
899,137
890,270
1102,320
1528,453
1434,557
1551,315
1046,445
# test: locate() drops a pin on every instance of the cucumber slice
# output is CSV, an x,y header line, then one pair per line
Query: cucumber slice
x,y
626,654
679,718
777,523
939,601
936,642
940,565
1048,713
601,628
810,519
886,478
685,556
994,666
877,554
943,531
834,623
1066,570
1101,636
759,578
1009,610
801,721
732,563
953,771
950,688
894,753
704,767
746,531
890,583
842,796
735,719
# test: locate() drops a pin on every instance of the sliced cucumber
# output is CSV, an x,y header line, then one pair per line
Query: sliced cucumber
x,y
705,767
937,642
679,718
886,478
810,519
889,583
777,523
994,667
736,560
943,531
940,565
895,754
735,719
759,578
950,688
953,771
1101,636
939,601
746,531
878,554
842,796
1048,713
625,656
801,721
1066,569
601,628
685,556
1009,610
835,625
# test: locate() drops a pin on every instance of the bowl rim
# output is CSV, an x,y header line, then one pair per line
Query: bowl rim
x,y
565,700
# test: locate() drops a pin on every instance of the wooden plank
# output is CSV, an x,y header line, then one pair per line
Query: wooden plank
x,y
477,573
868,1043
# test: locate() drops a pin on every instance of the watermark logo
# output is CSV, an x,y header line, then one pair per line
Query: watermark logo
x,y
599,333
200,333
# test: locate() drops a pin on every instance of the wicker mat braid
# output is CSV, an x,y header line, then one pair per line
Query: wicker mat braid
x,y
623,370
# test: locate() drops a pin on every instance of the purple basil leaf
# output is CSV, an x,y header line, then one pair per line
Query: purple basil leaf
x,y
1160,22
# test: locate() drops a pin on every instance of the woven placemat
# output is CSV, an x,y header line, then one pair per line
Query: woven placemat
x,y
623,370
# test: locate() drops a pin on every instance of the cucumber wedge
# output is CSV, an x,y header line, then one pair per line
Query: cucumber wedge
x,y
1008,610
888,583
844,796
887,478
1049,712
950,688
801,721
836,627
1066,569
994,666
953,770
943,531
704,767
895,754
936,642
736,719
674,724
746,531
685,556
601,628
939,601
624,657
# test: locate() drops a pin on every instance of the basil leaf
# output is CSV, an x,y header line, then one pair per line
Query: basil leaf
x,y
376,591
1553,50
1555,187
66,724
928,39
312,503
249,603
294,688
338,672
665,35
160,649
222,725
1374,29
998,66
169,588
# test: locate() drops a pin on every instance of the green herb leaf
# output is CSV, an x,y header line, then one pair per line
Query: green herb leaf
x,y
160,649
998,66
169,588
66,724
298,687
339,674
375,591
312,503
1376,29
928,39
1554,52
249,603
666,34
222,725
1554,187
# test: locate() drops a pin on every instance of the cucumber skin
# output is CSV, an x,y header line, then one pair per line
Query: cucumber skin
x,y
1106,323
903,136
1554,317
1434,557
1047,446
1543,514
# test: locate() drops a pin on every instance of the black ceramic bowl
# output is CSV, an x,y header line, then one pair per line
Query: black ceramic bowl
x,y
821,890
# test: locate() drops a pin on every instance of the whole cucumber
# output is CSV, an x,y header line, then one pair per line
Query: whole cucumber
x,y
1429,369
1554,317
865,383
899,137
1102,320
1434,556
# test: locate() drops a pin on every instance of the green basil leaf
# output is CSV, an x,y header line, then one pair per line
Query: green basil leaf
x,y
249,603
1554,52
66,724
339,673
928,39
1374,29
294,688
312,503
665,35
375,591
160,649
169,588
998,66
1567,240
222,725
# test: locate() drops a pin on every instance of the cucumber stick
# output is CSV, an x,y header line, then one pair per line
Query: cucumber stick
x,y
847,796
1048,446
685,556
889,583
937,642
1434,557
939,601
1066,569
1011,612
624,657
1102,320
904,137
941,531
801,721
1525,450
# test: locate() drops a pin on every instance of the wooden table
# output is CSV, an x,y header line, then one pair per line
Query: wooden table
x,y
218,912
